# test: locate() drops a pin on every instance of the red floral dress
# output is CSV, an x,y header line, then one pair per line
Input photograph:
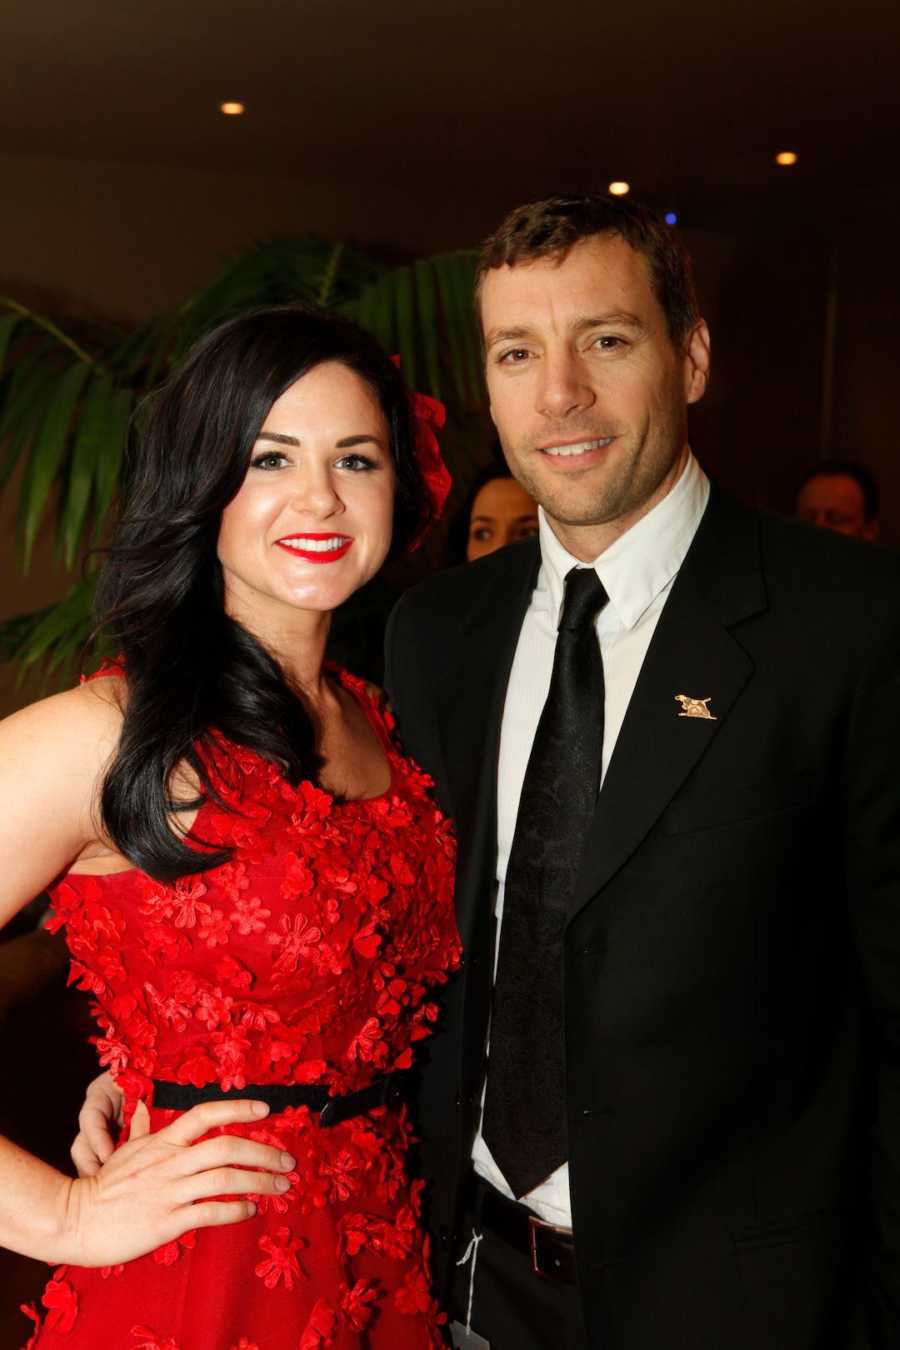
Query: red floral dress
x,y
307,958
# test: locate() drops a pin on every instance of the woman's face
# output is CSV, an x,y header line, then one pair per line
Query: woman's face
x,y
312,520
501,513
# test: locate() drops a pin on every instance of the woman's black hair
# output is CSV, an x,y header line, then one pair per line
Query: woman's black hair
x,y
191,670
458,531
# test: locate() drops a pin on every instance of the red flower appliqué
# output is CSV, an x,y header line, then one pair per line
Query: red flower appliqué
x,y
282,1265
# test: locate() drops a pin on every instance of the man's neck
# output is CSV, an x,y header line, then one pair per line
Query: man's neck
x,y
588,542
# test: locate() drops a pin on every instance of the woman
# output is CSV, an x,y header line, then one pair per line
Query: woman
x,y
497,511
255,885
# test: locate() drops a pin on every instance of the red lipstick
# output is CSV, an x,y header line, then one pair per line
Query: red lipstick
x,y
334,546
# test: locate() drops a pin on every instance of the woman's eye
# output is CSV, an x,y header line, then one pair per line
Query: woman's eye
x,y
481,534
269,459
356,463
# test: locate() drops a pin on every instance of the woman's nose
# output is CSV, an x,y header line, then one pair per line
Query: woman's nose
x,y
316,492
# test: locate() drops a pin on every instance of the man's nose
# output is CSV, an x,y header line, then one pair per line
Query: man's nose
x,y
564,389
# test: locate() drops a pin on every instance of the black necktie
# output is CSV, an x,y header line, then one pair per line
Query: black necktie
x,y
524,1112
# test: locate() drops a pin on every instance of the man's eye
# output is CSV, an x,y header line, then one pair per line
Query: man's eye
x,y
269,459
514,357
607,342
356,463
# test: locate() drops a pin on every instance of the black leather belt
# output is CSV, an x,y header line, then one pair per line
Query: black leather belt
x,y
388,1091
550,1250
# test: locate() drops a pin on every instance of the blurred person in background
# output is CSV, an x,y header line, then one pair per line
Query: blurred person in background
x,y
497,511
840,495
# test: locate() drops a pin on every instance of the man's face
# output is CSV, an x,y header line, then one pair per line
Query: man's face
x,y
588,393
835,501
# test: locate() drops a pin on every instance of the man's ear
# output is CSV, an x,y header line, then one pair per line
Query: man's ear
x,y
696,362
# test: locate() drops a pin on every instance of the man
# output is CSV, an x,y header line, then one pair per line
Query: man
x,y
840,495
668,733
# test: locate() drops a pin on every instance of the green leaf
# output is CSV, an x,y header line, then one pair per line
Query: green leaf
x,y
106,476
46,455
95,426
446,280
62,630
26,392
471,350
16,632
7,324
327,285
429,330
404,312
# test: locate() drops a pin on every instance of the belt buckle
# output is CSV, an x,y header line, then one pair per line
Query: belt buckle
x,y
537,1226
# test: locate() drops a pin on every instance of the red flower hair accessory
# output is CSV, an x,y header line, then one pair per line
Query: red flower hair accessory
x,y
429,415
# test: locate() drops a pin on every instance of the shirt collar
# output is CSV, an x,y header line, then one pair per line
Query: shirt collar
x,y
641,562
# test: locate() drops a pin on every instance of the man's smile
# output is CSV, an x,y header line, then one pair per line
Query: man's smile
x,y
567,450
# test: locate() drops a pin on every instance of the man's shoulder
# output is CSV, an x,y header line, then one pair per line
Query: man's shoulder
x,y
801,559
825,563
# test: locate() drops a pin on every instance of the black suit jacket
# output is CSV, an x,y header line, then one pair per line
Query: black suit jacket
x,y
732,957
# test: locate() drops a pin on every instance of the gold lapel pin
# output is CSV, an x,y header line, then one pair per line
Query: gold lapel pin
x,y
695,707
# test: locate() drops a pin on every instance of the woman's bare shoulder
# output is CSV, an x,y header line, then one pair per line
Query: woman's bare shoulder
x,y
84,722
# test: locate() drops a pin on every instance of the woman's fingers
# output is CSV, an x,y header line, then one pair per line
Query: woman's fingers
x,y
210,1116
228,1181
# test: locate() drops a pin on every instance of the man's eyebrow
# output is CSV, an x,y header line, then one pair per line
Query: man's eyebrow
x,y
623,318
345,444
505,335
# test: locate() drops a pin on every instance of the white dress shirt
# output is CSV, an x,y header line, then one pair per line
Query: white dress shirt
x,y
637,572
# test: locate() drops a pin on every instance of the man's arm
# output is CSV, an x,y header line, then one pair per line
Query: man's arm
x,y
871,792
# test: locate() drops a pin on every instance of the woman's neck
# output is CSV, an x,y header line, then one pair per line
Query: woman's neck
x,y
296,640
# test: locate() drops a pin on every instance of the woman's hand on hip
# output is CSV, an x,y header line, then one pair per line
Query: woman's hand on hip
x,y
159,1186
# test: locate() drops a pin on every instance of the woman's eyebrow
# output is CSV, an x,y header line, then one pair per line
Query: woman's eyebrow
x,y
277,437
344,444
365,439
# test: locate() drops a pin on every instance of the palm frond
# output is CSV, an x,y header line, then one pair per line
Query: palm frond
x,y
46,455
56,639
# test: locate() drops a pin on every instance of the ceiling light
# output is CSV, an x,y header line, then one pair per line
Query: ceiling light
x,y
231,109
619,188
785,158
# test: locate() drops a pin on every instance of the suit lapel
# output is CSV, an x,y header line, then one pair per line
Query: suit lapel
x,y
472,696
694,653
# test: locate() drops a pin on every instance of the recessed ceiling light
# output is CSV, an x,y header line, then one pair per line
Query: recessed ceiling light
x,y
619,188
785,158
231,109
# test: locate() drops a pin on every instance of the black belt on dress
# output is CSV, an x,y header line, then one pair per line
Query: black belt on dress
x,y
387,1091
550,1250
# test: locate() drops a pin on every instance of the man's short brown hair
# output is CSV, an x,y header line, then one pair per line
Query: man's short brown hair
x,y
550,228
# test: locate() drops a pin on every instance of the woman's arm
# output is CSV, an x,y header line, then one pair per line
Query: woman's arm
x,y
156,1187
